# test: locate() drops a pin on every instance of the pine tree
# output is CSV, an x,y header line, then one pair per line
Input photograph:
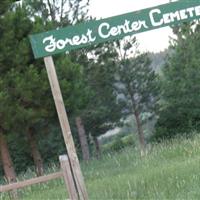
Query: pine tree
x,y
102,111
179,112
138,87
5,156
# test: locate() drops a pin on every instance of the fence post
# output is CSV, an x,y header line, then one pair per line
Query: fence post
x,y
68,177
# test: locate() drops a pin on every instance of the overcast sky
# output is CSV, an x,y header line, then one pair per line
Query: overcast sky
x,y
155,40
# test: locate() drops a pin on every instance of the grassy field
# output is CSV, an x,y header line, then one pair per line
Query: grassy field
x,y
169,171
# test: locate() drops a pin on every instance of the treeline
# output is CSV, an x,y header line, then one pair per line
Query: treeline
x,y
96,96
101,86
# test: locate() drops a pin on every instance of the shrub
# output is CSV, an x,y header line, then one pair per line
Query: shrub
x,y
118,144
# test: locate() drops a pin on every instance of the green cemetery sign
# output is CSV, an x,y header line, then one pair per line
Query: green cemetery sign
x,y
94,32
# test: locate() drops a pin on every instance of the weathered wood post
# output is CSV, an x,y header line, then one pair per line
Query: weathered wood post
x,y
62,115
68,177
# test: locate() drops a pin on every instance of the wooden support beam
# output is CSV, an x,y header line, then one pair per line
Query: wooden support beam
x,y
62,115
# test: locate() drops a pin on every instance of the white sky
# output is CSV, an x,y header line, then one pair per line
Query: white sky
x,y
155,40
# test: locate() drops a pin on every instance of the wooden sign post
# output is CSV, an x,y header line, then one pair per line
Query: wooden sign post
x,y
62,115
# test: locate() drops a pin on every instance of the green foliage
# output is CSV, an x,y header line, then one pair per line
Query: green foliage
x,y
58,12
138,85
13,37
118,143
26,99
170,171
102,111
179,112
14,44
5,5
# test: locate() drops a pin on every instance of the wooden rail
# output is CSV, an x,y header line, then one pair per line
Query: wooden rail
x,y
65,173
22,184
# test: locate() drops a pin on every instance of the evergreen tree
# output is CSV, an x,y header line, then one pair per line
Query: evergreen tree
x,y
102,111
179,112
27,102
5,156
138,88
57,14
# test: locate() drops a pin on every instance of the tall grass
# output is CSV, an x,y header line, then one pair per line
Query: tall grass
x,y
170,171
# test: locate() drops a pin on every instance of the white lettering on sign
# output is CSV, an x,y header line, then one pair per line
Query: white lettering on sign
x,y
105,30
52,44
158,19
113,29
152,17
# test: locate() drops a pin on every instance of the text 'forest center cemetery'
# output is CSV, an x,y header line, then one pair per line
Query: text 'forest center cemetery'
x,y
94,32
